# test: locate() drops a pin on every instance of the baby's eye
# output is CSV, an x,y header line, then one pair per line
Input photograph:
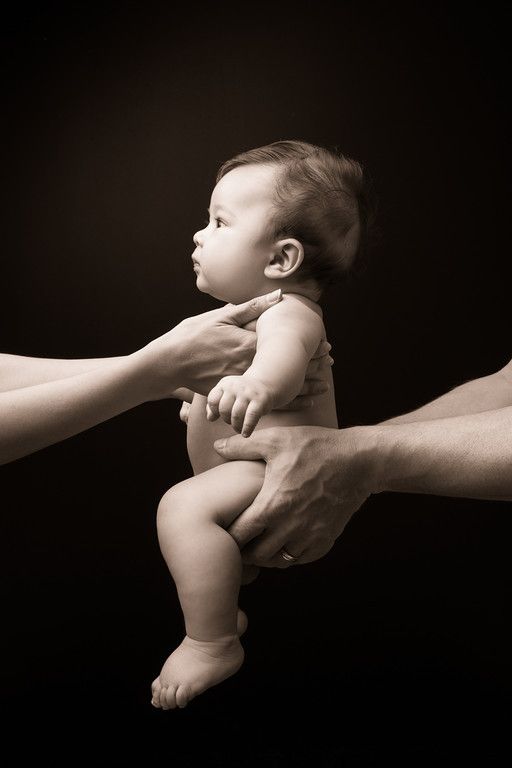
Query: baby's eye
x,y
219,223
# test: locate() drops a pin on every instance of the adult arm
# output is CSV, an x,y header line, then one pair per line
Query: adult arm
x,y
18,371
484,394
316,478
193,355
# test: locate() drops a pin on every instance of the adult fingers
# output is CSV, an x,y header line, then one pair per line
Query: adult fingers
x,y
299,404
184,411
246,526
323,349
305,553
310,389
258,446
265,549
318,367
240,314
314,387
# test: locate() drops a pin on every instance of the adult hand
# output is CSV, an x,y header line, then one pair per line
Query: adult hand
x,y
202,349
316,381
315,480
184,412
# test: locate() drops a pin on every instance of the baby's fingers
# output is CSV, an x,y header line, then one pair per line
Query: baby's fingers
x,y
226,406
212,405
238,414
253,414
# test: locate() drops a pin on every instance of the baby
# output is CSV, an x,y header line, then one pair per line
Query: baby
x,y
289,215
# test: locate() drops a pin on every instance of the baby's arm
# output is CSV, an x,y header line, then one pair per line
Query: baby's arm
x,y
286,341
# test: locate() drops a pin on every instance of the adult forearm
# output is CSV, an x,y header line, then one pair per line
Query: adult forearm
x,y
37,416
484,394
17,371
468,455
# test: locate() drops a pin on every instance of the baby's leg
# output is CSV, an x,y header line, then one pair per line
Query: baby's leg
x,y
205,563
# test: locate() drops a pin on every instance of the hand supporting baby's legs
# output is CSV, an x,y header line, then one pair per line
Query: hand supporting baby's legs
x,y
206,566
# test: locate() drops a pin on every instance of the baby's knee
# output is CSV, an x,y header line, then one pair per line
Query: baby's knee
x,y
174,504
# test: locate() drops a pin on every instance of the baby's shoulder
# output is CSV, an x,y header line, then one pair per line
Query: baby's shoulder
x,y
302,304
294,307
296,314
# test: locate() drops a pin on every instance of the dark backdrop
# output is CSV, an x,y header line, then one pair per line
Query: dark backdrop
x,y
114,122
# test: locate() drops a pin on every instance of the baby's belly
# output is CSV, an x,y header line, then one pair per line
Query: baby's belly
x,y
201,433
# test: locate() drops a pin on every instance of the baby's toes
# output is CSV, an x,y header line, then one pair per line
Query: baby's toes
x,y
183,695
155,690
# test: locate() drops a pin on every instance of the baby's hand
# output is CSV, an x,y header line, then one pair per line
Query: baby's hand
x,y
241,401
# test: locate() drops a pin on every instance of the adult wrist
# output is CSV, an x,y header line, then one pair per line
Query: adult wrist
x,y
391,452
155,371
369,456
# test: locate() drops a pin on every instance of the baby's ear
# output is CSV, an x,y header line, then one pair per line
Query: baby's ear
x,y
287,256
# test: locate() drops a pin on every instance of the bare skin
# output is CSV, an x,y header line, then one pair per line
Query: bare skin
x,y
193,516
45,401
316,479
235,256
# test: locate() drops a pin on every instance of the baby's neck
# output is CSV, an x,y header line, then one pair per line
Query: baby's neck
x,y
308,291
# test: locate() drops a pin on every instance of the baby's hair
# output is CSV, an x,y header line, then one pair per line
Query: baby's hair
x,y
321,199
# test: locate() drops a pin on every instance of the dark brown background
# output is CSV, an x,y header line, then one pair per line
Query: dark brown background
x,y
114,121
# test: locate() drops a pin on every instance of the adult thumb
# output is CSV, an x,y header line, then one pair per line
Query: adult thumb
x,y
241,448
241,314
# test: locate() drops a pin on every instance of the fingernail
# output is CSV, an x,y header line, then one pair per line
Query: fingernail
x,y
219,445
275,296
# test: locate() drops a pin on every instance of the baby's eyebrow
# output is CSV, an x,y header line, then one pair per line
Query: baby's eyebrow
x,y
222,208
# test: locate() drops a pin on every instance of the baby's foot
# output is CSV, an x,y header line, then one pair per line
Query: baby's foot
x,y
156,687
193,667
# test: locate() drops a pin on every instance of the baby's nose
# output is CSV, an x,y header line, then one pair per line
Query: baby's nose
x,y
198,238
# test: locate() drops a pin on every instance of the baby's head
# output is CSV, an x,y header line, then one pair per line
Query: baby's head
x,y
287,215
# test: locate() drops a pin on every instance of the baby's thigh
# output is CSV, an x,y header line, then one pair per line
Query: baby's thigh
x,y
222,493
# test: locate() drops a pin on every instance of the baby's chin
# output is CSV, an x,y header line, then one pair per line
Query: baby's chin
x,y
229,297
